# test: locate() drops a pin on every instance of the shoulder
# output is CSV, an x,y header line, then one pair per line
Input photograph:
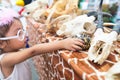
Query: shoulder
x,y
1,56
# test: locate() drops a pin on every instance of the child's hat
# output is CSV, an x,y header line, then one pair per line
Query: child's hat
x,y
7,15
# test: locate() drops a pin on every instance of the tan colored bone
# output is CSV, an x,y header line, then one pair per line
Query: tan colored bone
x,y
56,23
62,7
118,37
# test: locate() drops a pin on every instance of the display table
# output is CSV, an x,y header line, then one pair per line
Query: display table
x,y
86,69
68,65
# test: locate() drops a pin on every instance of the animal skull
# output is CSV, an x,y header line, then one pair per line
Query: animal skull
x,y
101,45
78,25
35,12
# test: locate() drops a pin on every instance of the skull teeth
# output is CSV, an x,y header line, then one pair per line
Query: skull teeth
x,y
99,52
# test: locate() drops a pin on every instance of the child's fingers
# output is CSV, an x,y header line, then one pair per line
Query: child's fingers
x,y
72,49
76,47
79,40
79,43
36,25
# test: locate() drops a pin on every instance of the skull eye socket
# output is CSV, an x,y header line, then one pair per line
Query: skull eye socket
x,y
89,27
28,12
99,46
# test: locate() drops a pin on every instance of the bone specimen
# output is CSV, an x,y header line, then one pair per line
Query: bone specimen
x,y
118,38
35,12
117,47
56,23
114,72
108,24
101,46
102,42
61,7
44,15
78,25
117,50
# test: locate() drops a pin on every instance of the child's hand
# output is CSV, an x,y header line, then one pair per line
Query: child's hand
x,y
73,44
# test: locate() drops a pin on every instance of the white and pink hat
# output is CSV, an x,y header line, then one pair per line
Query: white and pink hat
x,y
7,15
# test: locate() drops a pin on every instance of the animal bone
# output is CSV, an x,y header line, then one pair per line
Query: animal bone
x,y
35,12
118,37
117,50
101,46
78,25
56,23
62,7
101,43
114,72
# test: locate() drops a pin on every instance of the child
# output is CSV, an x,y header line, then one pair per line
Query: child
x,y
13,65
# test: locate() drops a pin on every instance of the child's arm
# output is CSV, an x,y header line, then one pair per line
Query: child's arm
x,y
14,58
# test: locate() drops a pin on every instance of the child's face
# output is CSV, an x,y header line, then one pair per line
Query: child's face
x,y
15,44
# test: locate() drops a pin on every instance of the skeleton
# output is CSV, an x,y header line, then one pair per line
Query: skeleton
x,y
101,43
114,72
78,25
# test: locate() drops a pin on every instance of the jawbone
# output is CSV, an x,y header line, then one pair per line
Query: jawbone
x,y
101,45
